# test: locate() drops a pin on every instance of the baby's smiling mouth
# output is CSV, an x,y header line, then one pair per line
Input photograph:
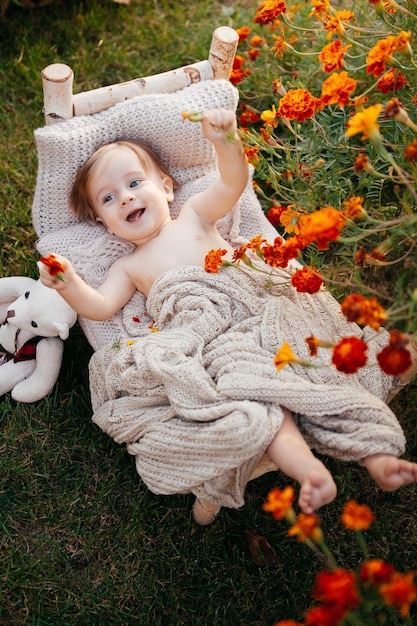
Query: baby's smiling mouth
x,y
135,215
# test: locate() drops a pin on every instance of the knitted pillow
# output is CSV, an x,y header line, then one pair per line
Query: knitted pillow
x,y
155,120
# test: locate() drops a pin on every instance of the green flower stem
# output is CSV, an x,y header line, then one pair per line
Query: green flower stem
x,y
328,554
362,543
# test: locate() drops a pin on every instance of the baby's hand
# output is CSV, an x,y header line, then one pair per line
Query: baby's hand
x,y
219,125
53,270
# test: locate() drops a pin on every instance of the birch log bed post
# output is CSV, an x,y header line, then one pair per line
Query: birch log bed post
x,y
60,103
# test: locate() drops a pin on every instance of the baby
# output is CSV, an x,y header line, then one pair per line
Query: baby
x,y
125,187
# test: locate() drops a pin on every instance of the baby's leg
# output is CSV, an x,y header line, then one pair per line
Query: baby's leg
x,y
389,472
290,452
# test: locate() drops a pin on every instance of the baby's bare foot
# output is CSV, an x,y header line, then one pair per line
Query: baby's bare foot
x,y
389,472
317,488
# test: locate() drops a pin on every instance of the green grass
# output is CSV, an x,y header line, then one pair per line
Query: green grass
x,y
83,542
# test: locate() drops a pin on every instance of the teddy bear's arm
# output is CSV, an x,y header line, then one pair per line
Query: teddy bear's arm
x,y
45,374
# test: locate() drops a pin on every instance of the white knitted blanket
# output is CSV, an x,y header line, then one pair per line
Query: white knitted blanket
x,y
198,402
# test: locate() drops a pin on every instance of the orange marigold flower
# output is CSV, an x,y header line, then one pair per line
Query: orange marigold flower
x,y
410,151
287,622
354,207
238,61
376,571
337,89
364,122
307,280
279,46
337,588
400,592
55,267
236,76
357,516
306,527
359,101
284,356
320,8
252,154
322,226
388,7
243,32
239,253
213,260
332,55
362,163
360,257
380,54
313,343
291,219
395,358
334,23
364,311
393,80
256,41
349,355
273,215
279,502
255,243
269,11
402,42
298,104
275,255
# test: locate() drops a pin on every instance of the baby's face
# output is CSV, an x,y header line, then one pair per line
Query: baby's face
x,y
130,198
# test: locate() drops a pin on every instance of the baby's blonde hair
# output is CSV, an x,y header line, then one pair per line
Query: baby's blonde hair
x,y
80,199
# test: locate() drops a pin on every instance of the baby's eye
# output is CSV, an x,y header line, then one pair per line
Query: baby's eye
x,y
108,198
135,183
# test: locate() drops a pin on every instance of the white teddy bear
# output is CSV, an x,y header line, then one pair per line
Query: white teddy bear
x,y
36,321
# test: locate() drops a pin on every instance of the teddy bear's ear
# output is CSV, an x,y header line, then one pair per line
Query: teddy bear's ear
x,y
63,330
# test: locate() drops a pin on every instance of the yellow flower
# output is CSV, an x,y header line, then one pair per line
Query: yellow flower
x,y
364,122
284,356
269,117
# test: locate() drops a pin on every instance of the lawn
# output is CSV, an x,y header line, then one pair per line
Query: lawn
x,y
83,542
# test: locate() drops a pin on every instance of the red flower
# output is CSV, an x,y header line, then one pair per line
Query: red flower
x,y
400,592
274,215
376,572
395,359
391,81
54,266
326,615
306,280
337,589
349,355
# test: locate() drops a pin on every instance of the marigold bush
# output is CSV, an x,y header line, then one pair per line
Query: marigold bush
x,y
341,596
327,117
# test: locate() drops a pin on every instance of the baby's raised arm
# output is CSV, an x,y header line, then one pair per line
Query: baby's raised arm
x,y
96,304
219,126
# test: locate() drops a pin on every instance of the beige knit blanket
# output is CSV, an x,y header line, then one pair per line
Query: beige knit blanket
x,y
198,401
